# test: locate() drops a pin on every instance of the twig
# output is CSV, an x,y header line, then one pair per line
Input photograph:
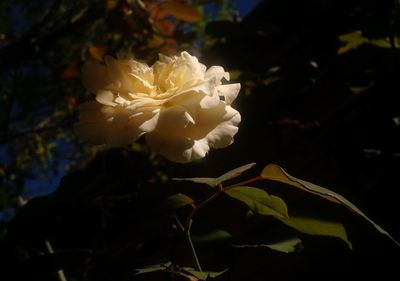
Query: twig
x,y
60,273
216,195
189,238
189,220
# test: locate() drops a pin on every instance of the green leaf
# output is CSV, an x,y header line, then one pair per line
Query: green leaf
x,y
314,226
354,39
216,181
203,275
276,173
177,201
285,246
383,42
153,268
234,173
259,201
208,181
213,236
234,74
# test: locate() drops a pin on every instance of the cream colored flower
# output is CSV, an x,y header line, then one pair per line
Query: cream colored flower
x,y
182,108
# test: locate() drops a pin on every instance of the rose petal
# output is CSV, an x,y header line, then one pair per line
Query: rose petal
x,y
206,121
150,124
112,125
223,134
176,149
214,127
176,103
174,119
119,73
205,88
141,69
197,69
189,118
199,149
177,71
209,102
143,102
229,92
105,97
140,85
217,72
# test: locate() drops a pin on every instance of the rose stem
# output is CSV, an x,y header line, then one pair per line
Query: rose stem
x,y
189,220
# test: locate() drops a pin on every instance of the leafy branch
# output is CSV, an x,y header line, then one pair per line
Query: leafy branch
x,y
197,208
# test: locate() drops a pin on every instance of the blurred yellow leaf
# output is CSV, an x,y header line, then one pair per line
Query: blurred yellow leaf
x,y
181,10
234,74
156,41
156,13
97,52
111,4
358,90
383,43
40,151
71,71
355,39
2,172
164,26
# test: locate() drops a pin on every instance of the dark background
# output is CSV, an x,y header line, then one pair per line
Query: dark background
x,y
320,97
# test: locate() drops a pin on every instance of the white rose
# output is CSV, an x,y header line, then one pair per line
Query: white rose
x,y
182,108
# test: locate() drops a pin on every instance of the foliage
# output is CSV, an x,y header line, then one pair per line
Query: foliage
x,y
143,228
